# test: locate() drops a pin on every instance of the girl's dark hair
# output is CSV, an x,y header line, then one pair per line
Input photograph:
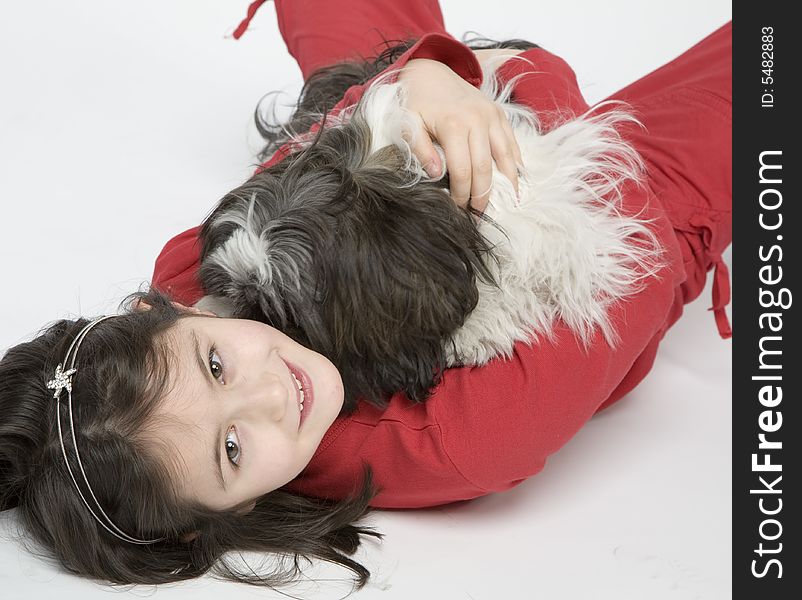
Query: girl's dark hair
x,y
123,370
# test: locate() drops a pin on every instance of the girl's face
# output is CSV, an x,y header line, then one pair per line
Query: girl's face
x,y
235,401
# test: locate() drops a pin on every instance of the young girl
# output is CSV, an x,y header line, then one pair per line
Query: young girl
x,y
189,429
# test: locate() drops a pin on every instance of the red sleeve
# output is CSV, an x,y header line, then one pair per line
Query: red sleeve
x,y
322,32
176,270
403,445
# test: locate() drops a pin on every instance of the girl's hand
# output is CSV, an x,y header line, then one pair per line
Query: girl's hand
x,y
472,130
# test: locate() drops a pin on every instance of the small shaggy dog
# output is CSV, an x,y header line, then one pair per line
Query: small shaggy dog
x,y
349,247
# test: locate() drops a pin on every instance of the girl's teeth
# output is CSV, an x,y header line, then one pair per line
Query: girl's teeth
x,y
300,388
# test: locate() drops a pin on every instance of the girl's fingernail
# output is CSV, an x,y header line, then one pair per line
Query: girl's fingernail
x,y
431,169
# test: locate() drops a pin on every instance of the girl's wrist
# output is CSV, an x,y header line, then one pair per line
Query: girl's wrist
x,y
484,56
418,66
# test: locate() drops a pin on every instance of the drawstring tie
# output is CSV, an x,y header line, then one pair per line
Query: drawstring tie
x,y
254,6
721,275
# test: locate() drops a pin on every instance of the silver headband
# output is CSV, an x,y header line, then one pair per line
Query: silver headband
x,y
63,380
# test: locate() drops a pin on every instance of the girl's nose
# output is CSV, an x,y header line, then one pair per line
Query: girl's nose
x,y
269,398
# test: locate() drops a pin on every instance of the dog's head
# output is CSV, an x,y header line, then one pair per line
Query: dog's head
x,y
353,256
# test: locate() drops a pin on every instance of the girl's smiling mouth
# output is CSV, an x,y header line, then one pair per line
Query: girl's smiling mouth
x,y
303,390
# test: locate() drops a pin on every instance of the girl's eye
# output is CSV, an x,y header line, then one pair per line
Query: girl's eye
x,y
215,366
233,450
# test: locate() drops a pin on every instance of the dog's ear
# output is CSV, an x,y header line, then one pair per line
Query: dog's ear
x,y
400,278
259,247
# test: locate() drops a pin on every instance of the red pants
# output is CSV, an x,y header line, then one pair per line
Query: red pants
x,y
686,106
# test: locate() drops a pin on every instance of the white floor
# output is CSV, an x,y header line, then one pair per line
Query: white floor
x,y
122,123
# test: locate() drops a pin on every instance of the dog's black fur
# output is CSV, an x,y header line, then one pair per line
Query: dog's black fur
x,y
373,275
373,278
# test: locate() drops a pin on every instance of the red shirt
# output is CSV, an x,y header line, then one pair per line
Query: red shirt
x,y
484,429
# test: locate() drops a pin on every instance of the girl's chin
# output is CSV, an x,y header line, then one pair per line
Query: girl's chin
x,y
335,396
326,379
328,372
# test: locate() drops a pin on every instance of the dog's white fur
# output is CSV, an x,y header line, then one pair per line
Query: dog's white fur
x,y
564,249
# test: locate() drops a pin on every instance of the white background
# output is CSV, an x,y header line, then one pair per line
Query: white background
x,y
122,123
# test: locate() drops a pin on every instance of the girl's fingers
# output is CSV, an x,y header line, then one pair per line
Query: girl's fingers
x,y
513,141
454,141
470,150
482,168
504,155
422,147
